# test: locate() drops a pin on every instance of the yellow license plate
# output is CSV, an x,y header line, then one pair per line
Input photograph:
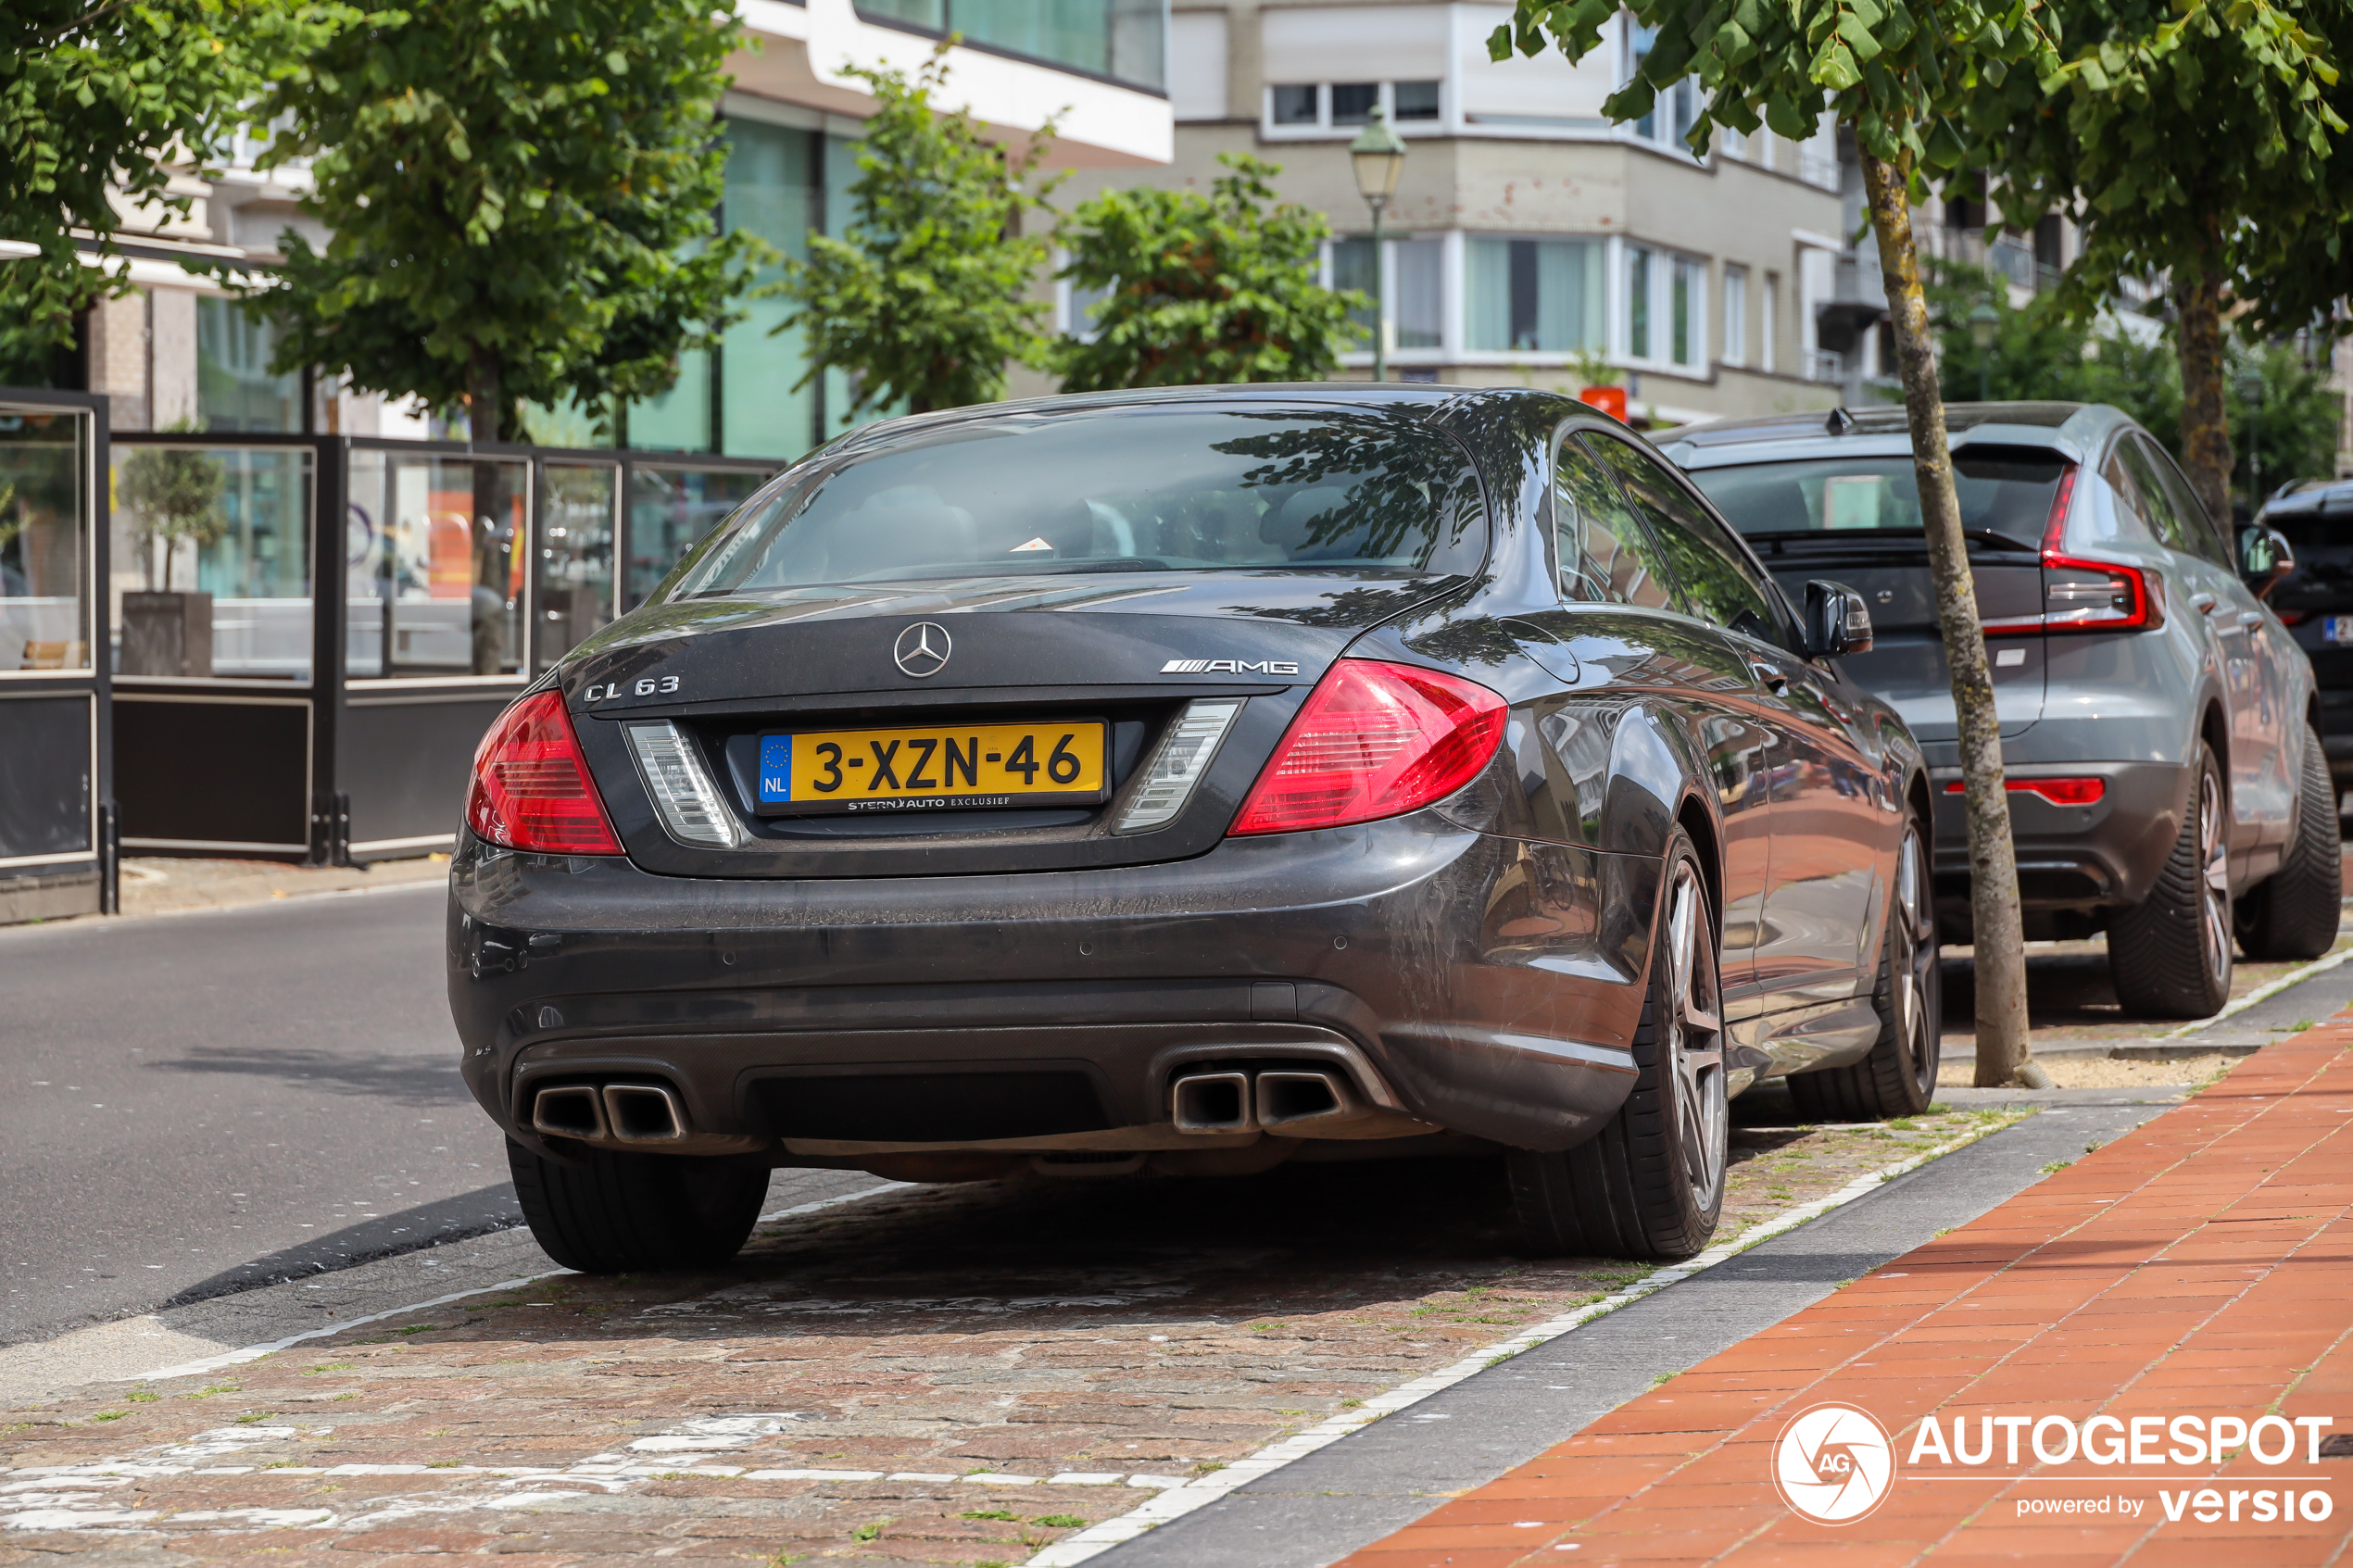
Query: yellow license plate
x,y
963,767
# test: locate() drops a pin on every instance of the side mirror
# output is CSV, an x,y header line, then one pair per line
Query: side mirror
x,y
1837,622
2265,556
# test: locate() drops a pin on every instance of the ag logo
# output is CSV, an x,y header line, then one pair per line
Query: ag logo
x,y
1833,1464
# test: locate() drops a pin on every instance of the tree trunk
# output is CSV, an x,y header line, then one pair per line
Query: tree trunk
x,y
2205,427
1999,935
482,396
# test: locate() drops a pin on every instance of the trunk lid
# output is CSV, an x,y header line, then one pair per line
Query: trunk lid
x,y
1131,649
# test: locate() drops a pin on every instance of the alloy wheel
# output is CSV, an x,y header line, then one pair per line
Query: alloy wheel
x,y
1915,959
2214,891
1694,1036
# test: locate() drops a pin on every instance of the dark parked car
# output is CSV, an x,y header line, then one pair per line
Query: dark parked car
x,y
2314,601
2167,784
1182,783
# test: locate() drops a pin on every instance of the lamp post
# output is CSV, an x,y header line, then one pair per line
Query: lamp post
x,y
1985,326
1379,157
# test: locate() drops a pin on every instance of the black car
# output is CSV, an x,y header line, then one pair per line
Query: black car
x,y
2314,600
1181,783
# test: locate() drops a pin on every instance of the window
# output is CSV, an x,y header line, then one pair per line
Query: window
x,y
772,191
578,506
1542,296
1094,493
234,387
1605,554
1687,291
1352,102
44,541
1296,104
1415,100
1638,302
1721,585
435,573
229,524
1769,335
2003,490
1416,295
1735,315
1675,109
1123,39
2198,523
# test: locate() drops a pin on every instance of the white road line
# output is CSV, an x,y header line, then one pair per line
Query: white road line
x,y
1177,1501
255,1352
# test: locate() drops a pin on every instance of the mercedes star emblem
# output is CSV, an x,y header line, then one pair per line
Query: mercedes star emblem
x,y
922,650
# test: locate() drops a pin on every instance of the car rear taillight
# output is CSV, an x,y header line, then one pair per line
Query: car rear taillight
x,y
531,789
2058,792
2086,595
1374,740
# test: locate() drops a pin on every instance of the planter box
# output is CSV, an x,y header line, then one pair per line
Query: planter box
x,y
167,634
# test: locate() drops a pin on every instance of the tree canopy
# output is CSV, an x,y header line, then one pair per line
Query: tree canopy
x,y
2179,133
927,296
522,196
1201,288
97,101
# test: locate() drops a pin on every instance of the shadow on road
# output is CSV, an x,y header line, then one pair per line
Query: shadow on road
x,y
379,1075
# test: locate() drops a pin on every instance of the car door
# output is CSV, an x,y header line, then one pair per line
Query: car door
x,y
2267,718
2232,623
1608,556
1828,831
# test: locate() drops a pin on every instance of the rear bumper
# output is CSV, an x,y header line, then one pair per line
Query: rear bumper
x,y
2103,855
1472,984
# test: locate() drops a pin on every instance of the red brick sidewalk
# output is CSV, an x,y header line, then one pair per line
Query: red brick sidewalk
x,y
2202,1265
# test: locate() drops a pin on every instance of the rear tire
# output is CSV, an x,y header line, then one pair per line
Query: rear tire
x,y
2170,956
1651,1185
618,1214
1899,1077
2293,913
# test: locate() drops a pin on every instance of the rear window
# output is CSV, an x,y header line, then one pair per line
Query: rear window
x,y
2006,492
1112,489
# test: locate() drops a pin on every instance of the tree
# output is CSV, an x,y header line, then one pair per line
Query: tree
x,y
1897,78
96,100
926,297
521,197
2191,131
174,493
1202,289
2044,350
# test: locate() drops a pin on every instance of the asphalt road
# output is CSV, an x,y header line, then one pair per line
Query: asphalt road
x,y
198,1103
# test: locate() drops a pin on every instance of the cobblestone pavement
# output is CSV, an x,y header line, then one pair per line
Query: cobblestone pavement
x,y
936,1375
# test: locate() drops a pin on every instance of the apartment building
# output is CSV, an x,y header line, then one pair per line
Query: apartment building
x,y
1528,232
178,348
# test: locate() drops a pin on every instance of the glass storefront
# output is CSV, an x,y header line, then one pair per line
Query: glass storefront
x,y
45,542
671,510
435,565
579,508
210,552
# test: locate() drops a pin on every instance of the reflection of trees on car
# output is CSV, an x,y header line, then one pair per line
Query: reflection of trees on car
x,y
1345,607
1398,473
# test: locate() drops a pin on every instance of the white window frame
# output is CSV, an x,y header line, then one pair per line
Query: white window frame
x,y
1768,331
1664,264
1325,130
1450,298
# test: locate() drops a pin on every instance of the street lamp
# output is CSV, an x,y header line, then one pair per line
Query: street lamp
x,y
1985,326
1379,157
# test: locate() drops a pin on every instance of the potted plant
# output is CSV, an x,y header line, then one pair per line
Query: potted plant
x,y
173,492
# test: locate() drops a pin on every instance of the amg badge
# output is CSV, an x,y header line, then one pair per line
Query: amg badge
x,y
1228,667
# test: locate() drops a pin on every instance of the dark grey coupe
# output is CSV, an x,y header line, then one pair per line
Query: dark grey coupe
x,y
1177,784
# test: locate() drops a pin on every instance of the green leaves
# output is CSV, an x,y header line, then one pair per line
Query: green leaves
x,y
1202,289
521,195
927,296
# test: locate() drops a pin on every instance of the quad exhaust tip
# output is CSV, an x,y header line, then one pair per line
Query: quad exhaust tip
x,y
628,1114
1274,1098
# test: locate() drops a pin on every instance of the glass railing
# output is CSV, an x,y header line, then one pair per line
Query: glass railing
x,y
1126,40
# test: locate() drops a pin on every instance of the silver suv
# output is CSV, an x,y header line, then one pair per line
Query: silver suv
x,y
2167,782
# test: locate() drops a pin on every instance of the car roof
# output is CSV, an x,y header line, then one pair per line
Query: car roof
x,y
2078,430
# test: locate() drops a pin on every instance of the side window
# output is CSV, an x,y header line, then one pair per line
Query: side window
x,y
2170,528
1607,556
2197,524
2132,517
1719,582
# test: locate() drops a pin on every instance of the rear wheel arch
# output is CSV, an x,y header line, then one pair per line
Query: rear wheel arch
x,y
1695,819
